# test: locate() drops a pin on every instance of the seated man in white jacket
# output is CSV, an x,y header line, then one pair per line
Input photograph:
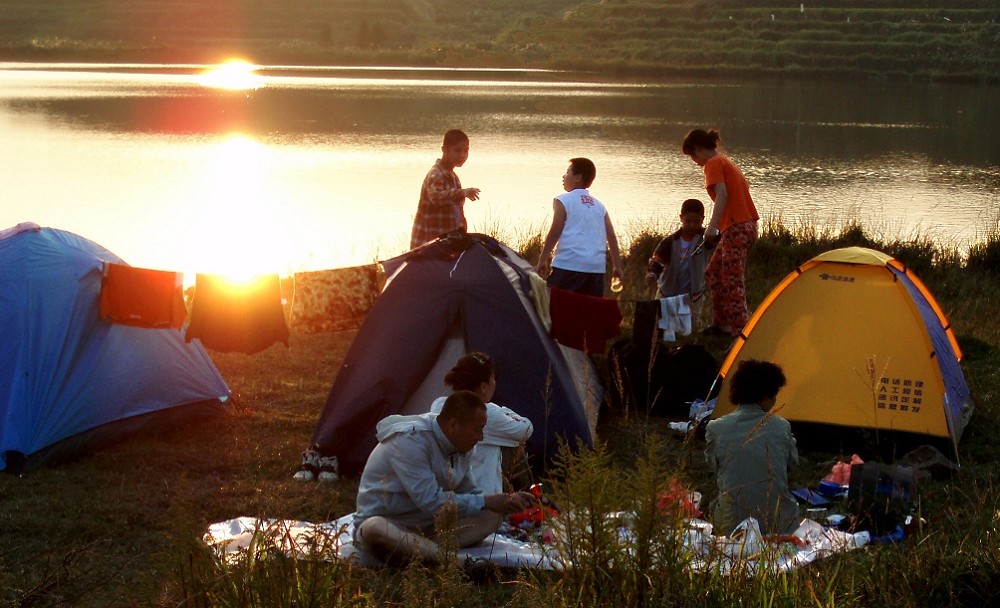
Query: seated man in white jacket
x,y
475,372
418,471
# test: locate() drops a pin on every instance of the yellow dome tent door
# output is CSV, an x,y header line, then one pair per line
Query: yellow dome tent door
x,y
862,344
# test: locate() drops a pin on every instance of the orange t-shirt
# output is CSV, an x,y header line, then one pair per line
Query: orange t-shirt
x,y
739,206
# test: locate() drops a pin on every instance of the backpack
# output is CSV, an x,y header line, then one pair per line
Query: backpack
x,y
879,496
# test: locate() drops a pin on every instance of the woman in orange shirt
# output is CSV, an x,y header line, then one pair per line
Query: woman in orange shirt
x,y
733,224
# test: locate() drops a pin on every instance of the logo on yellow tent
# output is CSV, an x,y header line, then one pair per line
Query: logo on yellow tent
x,y
836,277
900,394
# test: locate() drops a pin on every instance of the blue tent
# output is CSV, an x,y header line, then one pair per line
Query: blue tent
x,y
68,380
455,295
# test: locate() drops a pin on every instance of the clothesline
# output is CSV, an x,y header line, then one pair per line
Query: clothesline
x,y
243,316
248,316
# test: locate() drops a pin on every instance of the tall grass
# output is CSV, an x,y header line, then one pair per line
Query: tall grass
x,y
263,575
984,256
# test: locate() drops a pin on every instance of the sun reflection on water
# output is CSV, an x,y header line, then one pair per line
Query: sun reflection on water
x,y
233,75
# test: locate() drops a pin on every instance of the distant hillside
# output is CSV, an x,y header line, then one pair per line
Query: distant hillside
x,y
888,39
267,30
884,39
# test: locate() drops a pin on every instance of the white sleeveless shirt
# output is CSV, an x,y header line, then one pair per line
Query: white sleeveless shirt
x,y
583,243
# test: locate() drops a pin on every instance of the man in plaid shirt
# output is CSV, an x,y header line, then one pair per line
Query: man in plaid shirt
x,y
442,198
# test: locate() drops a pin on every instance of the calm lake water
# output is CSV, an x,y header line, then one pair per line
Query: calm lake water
x,y
321,168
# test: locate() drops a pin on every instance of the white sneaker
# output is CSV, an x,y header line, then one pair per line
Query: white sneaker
x,y
328,469
309,467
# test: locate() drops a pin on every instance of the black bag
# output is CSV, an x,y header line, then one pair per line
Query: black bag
x,y
681,375
650,377
879,496
662,382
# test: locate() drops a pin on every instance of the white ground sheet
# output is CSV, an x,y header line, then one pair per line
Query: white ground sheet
x,y
744,551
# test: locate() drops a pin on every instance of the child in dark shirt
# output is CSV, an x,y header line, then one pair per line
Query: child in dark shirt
x,y
678,263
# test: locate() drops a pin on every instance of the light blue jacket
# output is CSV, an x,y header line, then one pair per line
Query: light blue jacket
x,y
412,472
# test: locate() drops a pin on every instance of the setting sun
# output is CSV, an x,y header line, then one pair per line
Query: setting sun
x,y
234,75
239,231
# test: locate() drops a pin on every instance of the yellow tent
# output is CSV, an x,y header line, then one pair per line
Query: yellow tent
x,y
862,343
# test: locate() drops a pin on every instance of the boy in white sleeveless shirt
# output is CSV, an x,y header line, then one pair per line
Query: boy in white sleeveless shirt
x,y
583,231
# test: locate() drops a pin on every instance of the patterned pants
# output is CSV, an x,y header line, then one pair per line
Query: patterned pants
x,y
725,275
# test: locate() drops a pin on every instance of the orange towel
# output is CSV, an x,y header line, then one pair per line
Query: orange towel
x,y
141,297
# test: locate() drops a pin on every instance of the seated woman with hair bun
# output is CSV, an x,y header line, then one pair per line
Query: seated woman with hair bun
x,y
504,427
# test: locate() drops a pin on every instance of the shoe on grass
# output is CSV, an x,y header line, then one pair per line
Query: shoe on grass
x,y
328,472
309,467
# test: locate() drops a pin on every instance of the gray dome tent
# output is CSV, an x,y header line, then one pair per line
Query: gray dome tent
x,y
458,294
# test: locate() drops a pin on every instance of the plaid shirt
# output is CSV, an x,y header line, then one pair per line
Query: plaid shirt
x,y
441,207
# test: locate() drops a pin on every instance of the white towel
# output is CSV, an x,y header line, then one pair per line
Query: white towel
x,y
675,316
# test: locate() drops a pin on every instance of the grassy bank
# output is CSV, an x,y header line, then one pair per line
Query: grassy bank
x,y
120,527
881,39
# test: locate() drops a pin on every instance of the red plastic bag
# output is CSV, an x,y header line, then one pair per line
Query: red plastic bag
x,y
841,471
534,515
678,500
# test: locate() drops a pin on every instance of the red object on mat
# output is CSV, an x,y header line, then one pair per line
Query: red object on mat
x,y
676,499
534,515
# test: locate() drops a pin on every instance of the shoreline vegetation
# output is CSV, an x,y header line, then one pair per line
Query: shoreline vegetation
x,y
882,40
121,527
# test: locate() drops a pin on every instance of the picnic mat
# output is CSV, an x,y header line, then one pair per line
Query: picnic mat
x,y
746,550
333,540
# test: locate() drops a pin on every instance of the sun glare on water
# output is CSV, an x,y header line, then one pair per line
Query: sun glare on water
x,y
233,75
